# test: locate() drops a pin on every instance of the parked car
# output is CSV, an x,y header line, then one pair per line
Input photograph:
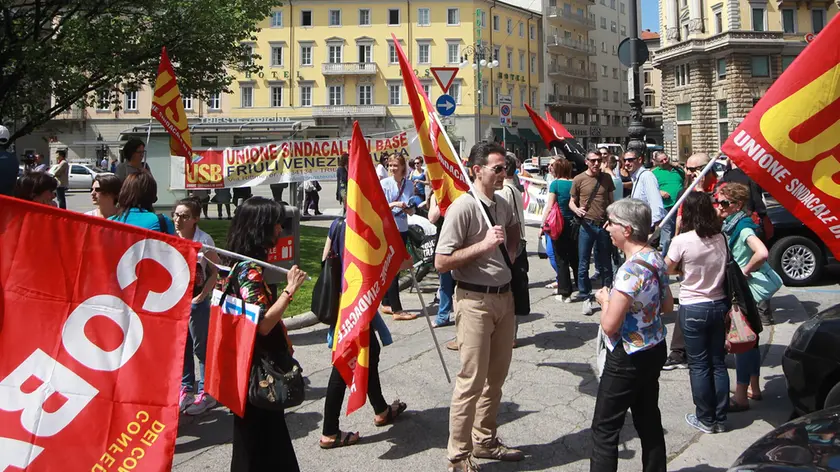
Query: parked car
x,y
797,254
809,443
81,176
811,363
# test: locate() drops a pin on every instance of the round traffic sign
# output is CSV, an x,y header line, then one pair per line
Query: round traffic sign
x,y
505,110
642,52
809,37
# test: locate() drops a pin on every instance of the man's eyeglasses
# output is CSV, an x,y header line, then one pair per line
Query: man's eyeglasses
x,y
694,169
630,159
722,203
594,161
496,169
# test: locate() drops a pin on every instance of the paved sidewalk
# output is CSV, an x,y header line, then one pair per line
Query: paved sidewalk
x,y
546,409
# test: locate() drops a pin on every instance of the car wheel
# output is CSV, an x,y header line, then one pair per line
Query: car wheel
x,y
833,397
797,259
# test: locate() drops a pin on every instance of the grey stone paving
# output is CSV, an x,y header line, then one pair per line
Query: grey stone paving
x,y
546,409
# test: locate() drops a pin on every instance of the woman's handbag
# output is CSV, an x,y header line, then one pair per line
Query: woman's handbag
x,y
740,337
542,251
554,222
742,321
275,384
327,291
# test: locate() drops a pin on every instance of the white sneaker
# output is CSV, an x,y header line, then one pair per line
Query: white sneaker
x,y
586,308
562,299
202,403
185,399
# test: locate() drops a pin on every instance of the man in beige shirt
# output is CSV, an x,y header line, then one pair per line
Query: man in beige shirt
x,y
484,318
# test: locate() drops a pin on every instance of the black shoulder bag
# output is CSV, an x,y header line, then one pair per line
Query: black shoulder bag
x,y
327,291
276,380
577,221
519,276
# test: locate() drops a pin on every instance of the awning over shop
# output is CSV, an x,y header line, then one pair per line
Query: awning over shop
x,y
527,135
506,136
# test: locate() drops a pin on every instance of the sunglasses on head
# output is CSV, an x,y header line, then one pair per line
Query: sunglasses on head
x,y
722,203
496,169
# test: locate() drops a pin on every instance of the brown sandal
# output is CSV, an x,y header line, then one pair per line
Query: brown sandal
x,y
341,439
403,316
394,410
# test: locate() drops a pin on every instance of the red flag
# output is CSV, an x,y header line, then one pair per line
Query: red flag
x,y
790,142
92,340
447,179
373,252
550,130
168,109
230,347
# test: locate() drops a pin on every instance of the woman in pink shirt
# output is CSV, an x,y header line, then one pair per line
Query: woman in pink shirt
x,y
699,255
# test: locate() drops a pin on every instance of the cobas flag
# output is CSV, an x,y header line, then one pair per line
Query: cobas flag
x,y
373,253
92,331
168,109
790,142
556,135
445,175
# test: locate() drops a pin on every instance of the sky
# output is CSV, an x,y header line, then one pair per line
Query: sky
x,y
650,15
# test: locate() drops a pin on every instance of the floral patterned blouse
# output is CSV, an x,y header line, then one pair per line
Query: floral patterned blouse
x,y
253,289
643,327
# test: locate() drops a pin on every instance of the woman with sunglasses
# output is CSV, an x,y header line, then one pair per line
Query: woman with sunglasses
x,y
696,255
398,191
751,255
186,217
635,336
261,439
104,194
131,159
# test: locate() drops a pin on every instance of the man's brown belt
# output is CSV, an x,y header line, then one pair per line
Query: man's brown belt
x,y
483,288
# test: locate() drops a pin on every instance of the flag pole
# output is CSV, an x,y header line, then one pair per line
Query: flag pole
x,y
435,117
680,201
235,255
429,322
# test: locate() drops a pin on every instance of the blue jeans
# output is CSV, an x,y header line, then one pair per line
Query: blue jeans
x,y
445,292
592,236
705,337
668,227
747,365
549,251
196,344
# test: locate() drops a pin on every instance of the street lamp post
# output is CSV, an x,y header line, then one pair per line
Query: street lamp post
x,y
482,56
636,130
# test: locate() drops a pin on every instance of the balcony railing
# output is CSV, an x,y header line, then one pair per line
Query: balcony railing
x,y
349,111
349,68
74,113
571,45
567,16
573,72
561,100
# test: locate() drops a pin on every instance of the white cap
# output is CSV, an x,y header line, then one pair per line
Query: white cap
x,y
4,135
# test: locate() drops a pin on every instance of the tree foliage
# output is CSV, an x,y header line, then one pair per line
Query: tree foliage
x,y
57,54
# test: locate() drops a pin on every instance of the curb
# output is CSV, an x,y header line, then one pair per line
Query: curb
x,y
303,320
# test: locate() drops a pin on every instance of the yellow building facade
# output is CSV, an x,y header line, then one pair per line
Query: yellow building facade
x,y
326,64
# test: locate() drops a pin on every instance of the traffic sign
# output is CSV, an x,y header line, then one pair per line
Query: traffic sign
x,y
505,109
444,76
505,102
809,37
445,105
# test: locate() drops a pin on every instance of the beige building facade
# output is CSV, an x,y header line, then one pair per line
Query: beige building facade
x,y
718,58
326,64
651,92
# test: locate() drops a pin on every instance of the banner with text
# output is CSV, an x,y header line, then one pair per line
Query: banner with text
x,y
790,142
279,162
92,344
534,198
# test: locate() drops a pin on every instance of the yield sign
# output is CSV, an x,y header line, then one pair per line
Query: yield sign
x,y
444,76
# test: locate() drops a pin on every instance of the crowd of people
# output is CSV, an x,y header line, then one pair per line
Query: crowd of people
x,y
609,212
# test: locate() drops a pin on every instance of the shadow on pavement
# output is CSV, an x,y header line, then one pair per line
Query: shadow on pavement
x,y
418,431
210,429
301,424
701,468
568,335
588,384
309,338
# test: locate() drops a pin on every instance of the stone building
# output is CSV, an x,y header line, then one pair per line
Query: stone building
x,y
652,92
718,58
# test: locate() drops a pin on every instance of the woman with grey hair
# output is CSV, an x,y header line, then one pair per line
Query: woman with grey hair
x,y
635,338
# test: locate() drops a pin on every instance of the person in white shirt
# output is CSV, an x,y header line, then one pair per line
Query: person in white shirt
x,y
382,168
186,216
645,186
